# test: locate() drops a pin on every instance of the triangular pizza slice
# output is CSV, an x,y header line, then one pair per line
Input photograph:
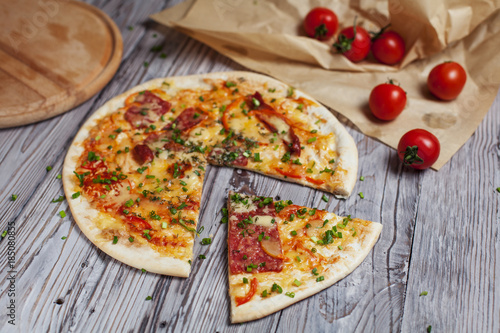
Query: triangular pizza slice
x,y
280,253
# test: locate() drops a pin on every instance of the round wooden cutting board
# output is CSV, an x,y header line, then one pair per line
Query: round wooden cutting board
x,y
54,55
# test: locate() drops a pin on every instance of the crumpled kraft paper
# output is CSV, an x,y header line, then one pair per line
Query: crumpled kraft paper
x,y
267,36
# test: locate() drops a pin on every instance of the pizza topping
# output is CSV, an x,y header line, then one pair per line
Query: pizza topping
x,y
147,108
253,289
188,118
142,154
137,224
274,122
253,243
230,156
272,247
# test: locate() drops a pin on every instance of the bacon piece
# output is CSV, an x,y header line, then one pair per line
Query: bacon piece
x,y
263,120
295,146
265,113
261,105
142,154
146,109
188,118
174,146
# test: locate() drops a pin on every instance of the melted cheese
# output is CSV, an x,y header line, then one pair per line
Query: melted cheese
x,y
241,208
162,194
265,220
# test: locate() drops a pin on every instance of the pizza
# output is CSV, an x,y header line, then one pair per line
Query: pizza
x,y
135,170
280,253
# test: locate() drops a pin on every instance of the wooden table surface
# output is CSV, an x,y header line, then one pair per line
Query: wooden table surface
x,y
440,235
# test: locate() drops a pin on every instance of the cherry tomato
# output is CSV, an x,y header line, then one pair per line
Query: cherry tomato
x,y
419,149
354,43
447,80
321,23
387,101
388,47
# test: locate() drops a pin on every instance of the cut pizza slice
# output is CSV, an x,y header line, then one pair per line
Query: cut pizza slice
x,y
280,253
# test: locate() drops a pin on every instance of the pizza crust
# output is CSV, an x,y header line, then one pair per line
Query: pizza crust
x,y
144,257
260,307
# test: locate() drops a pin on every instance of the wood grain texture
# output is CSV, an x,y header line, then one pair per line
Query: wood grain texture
x,y
441,229
53,56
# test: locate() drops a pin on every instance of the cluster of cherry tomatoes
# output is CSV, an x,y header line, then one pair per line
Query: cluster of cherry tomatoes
x,y
417,148
355,42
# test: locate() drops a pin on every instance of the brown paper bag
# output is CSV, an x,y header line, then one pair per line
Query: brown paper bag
x,y
267,36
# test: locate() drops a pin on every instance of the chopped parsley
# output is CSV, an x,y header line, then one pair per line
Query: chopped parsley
x,y
276,288
60,199
206,241
48,168
115,239
142,169
156,48
62,213
286,157
13,197
327,170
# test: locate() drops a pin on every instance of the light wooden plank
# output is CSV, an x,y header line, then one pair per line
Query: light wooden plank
x,y
456,248
458,266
